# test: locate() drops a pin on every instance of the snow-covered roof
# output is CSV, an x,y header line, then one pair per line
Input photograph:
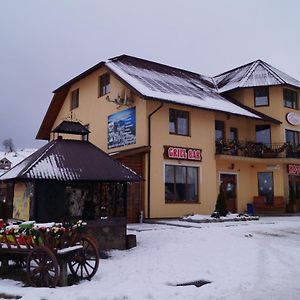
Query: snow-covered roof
x,y
257,73
70,160
16,156
165,83
161,82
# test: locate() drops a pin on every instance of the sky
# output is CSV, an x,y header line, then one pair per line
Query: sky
x,y
43,44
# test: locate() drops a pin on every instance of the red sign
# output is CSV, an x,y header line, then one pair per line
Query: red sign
x,y
183,153
293,169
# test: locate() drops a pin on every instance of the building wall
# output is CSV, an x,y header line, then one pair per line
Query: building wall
x,y
94,110
201,136
276,109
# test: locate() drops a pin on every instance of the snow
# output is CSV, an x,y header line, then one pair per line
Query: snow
x,y
175,89
69,249
258,73
229,217
16,157
242,260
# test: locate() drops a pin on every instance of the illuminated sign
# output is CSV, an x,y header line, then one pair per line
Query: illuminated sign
x,y
172,152
293,169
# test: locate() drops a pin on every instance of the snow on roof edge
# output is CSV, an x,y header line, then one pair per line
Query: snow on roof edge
x,y
182,99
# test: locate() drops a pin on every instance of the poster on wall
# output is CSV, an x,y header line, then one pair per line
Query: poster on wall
x,y
21,202
122,128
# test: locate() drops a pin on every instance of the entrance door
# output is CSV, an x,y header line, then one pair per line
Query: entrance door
x,y
228,183
135,190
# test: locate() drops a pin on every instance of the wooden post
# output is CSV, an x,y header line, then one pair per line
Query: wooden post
x,y
63,279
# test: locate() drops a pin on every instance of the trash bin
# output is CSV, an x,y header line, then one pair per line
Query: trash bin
x,y
250,209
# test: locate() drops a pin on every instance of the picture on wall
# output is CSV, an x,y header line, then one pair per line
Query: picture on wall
x,y
122,128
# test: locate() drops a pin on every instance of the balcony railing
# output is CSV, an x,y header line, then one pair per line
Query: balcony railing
x,y
259,150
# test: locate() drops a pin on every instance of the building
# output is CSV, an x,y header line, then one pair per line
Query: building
x,y
7,161
186,133
10,159
67,180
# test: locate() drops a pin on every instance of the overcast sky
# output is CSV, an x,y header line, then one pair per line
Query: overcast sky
x,y
43,44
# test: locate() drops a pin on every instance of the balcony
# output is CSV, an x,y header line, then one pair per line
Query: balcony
x,y
257,150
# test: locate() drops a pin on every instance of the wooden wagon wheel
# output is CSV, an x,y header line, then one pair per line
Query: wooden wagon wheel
x,y
84,264
42,267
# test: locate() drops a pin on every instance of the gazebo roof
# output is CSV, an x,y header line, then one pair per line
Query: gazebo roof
x,y
70,160
71,127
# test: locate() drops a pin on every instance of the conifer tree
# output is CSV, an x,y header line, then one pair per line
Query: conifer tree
x,y
221,206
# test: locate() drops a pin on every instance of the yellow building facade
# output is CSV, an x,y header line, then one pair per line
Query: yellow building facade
x,y
187,134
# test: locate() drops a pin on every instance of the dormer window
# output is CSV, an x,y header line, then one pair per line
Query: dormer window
x,y
104,85
261,96
74,99
290,98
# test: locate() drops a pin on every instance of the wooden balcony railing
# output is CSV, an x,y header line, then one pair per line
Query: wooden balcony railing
x,y
258,150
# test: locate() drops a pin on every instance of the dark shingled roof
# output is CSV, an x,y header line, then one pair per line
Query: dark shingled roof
x,y
71,160
71,128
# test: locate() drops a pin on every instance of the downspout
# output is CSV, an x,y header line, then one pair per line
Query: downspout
x,y
149,155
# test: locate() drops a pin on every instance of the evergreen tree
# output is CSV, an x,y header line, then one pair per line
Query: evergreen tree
x,y
221,206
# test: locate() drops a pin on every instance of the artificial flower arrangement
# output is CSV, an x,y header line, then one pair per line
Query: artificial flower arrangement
x,y
31,233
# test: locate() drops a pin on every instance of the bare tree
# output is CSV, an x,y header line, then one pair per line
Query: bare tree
x,y
8,145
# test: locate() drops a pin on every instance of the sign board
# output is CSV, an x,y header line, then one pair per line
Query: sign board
x,y
122,128
293,169
172,152
21,201
293,118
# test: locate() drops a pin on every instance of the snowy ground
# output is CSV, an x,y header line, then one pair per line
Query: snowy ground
x,y
243,260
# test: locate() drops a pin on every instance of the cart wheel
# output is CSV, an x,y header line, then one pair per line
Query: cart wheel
x,y
42,267
84,264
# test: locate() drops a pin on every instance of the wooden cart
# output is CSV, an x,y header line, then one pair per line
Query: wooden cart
x,y
46,252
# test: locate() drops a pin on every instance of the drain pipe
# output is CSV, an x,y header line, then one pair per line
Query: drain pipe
x,y
149,155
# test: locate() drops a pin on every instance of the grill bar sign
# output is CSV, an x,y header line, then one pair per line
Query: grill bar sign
x,y
173,152
293,169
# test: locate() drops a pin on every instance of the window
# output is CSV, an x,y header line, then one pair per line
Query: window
x,y
179,122
292,137
290,98
74,99
181,183
265,186
261,96
104,85
219,130
263,134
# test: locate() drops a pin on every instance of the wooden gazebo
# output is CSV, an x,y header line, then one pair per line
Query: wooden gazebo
x,y
68,180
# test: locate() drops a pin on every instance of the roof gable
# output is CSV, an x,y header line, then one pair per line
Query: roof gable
x,y
257,73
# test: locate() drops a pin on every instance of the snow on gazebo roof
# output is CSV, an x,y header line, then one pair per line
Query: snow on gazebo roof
x,y
70,160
